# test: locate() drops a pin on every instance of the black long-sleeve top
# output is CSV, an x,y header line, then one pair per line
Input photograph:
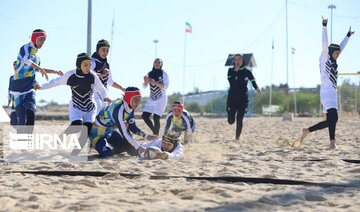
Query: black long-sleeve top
x,y
238,82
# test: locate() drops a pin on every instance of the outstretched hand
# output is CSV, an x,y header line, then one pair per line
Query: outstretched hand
x,y
151,137
141,150
350,32
145,84
43,73
37,86
162,155
152,81
59,73
324,21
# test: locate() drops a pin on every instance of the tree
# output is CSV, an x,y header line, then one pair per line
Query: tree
x,y
216,105
194,107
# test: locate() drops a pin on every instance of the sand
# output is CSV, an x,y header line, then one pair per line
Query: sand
x,y
261,152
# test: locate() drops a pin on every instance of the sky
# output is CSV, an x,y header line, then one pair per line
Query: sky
x,y
219,27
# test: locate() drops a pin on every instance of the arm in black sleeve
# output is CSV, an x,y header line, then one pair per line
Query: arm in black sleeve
x,y
133,127
252,80
230,76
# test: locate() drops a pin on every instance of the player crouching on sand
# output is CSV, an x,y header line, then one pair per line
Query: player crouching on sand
x,y
168,147
180,120
110,133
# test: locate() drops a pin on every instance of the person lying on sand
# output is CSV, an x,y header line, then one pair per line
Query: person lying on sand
x,y
167,147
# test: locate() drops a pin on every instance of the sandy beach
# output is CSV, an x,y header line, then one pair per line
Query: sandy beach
x,y
260,153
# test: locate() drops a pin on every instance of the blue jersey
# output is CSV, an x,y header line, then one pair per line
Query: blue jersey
x,y
118,114
184,124
24,77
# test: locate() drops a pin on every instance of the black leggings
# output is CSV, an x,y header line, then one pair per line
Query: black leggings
x,y
120,144
30,117
155,127
330,122
27,119
238,110
83,136
25,116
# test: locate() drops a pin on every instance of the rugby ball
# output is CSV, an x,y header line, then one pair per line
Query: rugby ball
x,y
151,152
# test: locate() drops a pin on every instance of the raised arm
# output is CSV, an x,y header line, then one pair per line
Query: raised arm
x,y
325,41
346,39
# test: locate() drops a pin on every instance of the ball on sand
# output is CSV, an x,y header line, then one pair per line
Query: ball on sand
x,y
152,152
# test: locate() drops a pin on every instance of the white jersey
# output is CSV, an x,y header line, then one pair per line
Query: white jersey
x,y
177,152
158,99
329,73
82,105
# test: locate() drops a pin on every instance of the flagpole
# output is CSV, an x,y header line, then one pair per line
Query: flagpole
x,y
183,91
271,73
88,43
112,34
293,68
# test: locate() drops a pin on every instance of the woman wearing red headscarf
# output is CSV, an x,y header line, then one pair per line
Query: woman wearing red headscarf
x,y
178,121
111,131
22,86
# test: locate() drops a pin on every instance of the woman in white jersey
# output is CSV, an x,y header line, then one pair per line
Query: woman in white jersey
x,y
328,87
156,104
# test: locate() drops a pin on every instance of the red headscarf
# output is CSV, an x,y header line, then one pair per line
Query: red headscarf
x,y
131,94
37,34
178,105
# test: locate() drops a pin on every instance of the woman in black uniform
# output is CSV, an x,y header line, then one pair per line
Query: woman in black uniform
x,y
237,100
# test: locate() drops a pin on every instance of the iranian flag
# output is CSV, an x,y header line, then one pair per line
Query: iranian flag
x,y
188,27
